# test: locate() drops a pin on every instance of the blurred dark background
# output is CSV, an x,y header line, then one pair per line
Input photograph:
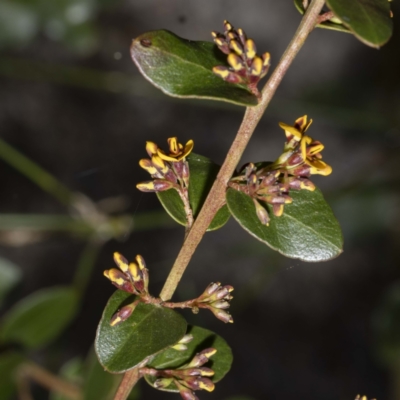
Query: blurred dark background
x,y
73,102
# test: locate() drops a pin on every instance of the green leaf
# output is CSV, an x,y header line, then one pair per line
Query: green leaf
x,y
183,68
307,230
202,175
147,331
202,338
9,277
8,363
369,20
99,384
333,24
40,317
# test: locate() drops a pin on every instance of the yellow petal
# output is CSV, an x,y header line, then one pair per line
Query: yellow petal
x,y
235,62
250,48
121,261
173,145
151,148
291,131
147,165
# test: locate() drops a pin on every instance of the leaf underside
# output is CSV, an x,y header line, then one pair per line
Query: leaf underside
x,y
202,338
369,20
307,230
183,68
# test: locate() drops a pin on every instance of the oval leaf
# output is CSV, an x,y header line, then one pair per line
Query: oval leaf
x,y
39,318
369,20
147,331
183,68
9,362
307,230
202,175
202,338
9,276
331,24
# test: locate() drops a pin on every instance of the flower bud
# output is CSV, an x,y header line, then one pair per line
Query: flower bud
x,y
122,315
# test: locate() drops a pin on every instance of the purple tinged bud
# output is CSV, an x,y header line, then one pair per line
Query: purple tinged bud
x,y
212,287
161,185
145,277
186,393
185,173
223,292
295,159
222,315
262,213
221,304
122,315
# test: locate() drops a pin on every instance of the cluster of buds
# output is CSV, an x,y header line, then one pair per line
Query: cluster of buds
x,y
216,298
169,170
134,278
130,277
271,184
188,378
246,66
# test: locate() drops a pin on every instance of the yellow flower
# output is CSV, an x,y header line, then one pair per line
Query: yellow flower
x,y
177,151
301,153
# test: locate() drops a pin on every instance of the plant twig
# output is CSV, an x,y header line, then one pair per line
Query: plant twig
x,y
35,173
128,382
216,196
29,371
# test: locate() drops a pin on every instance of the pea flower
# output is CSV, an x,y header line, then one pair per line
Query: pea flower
x,y
169,170
245,65
302,154
130,277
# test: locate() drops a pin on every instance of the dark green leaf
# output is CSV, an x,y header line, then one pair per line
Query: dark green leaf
x,y
307,230
183,68
202,175
99,384
147,331
8,363
9,276
202,338
40,317
334,24
369,20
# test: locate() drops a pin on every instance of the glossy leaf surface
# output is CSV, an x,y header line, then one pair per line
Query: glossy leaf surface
x,y
307,230
9,276
333,25
202,175
147,331
39,318
202,338
183,68
9,362
369,20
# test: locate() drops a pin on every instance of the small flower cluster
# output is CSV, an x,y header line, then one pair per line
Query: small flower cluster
x,y
300,159
132,278
170,171
216,298
188,378
246,66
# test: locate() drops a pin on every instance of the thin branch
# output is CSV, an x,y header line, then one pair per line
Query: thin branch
x,y
33,372
216,196
128,382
